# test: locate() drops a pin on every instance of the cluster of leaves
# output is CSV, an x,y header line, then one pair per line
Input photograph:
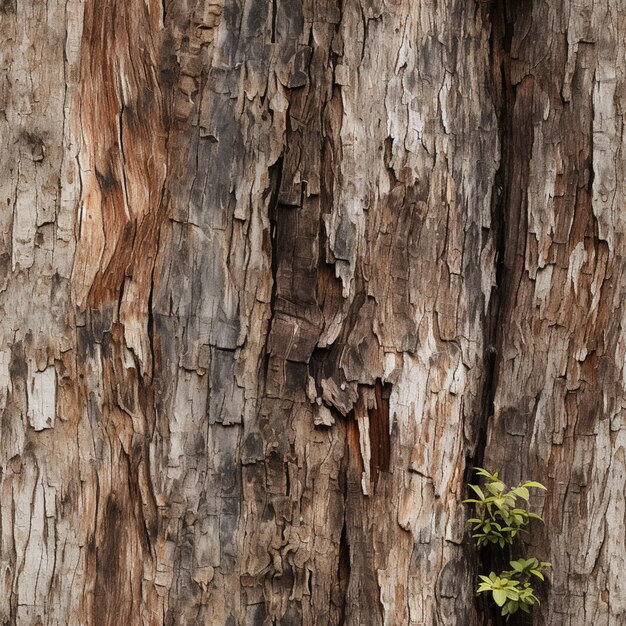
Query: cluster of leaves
x,y
513,589
499,520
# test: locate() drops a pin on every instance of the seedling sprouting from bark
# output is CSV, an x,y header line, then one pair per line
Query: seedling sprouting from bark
x,y
513,589
499,520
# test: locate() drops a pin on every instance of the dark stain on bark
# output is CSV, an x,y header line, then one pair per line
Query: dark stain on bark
x,y
18,369
8,6
110,593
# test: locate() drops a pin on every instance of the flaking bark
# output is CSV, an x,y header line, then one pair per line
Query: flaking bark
x,y
274,274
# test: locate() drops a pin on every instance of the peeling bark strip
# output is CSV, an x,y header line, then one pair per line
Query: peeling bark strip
x,y
122,163
267,266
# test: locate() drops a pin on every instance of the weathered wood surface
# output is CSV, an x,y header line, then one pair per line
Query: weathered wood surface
x,y
275,274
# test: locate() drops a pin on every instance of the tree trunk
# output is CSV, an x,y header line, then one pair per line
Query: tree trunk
x,y
275,275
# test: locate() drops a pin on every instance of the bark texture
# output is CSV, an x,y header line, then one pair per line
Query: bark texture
x,y
274,274
560,385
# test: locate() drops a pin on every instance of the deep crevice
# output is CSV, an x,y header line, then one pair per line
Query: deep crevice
x,y
274,11
499,44
275,176
504,218
343,571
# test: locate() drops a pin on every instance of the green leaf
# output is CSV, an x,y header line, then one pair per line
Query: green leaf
x,y
537,573
522,492
496,487
478,491
510,500
499,595
482,472
533,483
534,516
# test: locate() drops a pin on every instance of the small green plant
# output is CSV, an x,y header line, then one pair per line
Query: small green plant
x,y
513,589
499,520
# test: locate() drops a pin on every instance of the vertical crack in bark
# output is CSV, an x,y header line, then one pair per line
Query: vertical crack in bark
x,y
501,33
274,9
350,461
276,176
507,226
509,204
343,572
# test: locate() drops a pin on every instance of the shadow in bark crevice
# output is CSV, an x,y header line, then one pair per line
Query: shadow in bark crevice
x,y
508,221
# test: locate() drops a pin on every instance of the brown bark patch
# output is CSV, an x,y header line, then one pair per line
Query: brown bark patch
x,y
380,439
123,162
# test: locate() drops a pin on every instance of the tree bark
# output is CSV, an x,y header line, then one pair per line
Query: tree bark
x,y
275,275
559,390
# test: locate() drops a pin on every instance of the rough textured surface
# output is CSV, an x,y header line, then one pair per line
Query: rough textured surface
x,y
274,274
560,396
